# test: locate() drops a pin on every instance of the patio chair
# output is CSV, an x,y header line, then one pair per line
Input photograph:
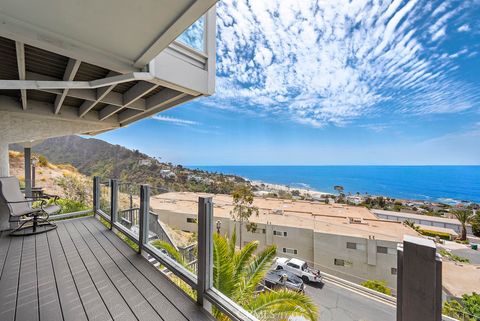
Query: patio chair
x,y
20,208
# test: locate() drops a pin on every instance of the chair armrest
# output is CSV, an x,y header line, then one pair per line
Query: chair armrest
x,y
16,202
45,198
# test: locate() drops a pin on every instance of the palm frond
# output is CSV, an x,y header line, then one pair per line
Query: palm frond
x,y
232,242
243,257
255,271
282,305
172,251
222,265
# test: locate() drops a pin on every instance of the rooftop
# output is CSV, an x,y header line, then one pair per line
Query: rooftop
x,y
323,218
417,216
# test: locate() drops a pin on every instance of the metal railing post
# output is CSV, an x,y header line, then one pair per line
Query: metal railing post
x,y
28,171
419,280
96,194
143,216
113,201
205,249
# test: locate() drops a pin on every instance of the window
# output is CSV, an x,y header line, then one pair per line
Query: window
x,y
393,271
382,249
279,233
351,245
290,251
259,231
191,220
339,262
293,266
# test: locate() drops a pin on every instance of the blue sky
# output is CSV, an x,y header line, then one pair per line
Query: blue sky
x,y
331,82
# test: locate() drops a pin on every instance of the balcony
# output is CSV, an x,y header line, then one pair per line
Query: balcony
x,y
83,271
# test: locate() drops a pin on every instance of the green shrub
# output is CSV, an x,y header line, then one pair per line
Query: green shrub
x,y
76,187
453,257
442,235
378,285
42,161
67,205
466,309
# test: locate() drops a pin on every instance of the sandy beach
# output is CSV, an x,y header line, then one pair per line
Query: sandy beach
x,y
268,187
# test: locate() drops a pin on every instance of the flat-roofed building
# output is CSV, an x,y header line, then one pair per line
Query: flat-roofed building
x,y
346,241
425,220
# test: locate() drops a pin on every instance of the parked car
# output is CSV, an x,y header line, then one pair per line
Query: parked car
x,y
280,279
299,268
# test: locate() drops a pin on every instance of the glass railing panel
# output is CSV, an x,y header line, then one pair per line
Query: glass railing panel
x,y
194,36
105,195
172,231
128,207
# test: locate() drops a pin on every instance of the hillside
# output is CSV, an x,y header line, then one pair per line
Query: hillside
x,y
47,175
95,157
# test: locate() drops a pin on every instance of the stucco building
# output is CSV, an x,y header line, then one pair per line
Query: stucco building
x,y
346,241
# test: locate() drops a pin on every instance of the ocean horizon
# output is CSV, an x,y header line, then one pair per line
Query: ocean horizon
x,y
448,184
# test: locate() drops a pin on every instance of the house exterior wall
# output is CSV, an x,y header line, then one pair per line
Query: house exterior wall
x,y
424,221
318,249
360,264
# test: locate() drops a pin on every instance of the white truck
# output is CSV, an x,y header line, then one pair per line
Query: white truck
x,y
299,268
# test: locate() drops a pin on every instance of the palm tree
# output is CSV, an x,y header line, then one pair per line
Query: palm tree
x,y
464,217
237,274
412,225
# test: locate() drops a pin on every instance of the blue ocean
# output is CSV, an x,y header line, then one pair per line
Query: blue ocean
x,y
447,184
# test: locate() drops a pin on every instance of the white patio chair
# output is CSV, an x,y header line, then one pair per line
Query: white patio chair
x,y
21,210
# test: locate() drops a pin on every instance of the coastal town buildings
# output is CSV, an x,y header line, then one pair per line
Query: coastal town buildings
x,y
346,241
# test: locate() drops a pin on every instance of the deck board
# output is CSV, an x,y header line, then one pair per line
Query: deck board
x,y
82,271
27,301
9,280
152,295
49,303
115,298
72,306
182,302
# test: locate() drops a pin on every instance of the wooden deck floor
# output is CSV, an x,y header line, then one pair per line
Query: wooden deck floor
x,y
83,271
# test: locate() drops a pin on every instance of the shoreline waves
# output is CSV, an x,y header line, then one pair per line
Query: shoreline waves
x,y
443,184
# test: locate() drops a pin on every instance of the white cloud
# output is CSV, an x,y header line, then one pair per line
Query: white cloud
x,y
440,33
175,121
464,28
330,62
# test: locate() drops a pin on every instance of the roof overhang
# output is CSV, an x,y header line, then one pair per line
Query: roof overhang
x,y
120,35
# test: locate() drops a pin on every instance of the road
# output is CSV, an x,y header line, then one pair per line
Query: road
x,y
338,304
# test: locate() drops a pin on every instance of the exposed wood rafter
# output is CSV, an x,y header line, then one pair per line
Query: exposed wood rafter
x,y
69,75
106,96
20,48
165,96
100,94
129,97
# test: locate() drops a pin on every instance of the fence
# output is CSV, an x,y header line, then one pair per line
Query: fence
x,y
128,212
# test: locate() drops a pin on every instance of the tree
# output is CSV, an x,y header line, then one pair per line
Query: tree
x,y
237,274
475,221
339,188
466,309
464,217
243,208
412,225
76,188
